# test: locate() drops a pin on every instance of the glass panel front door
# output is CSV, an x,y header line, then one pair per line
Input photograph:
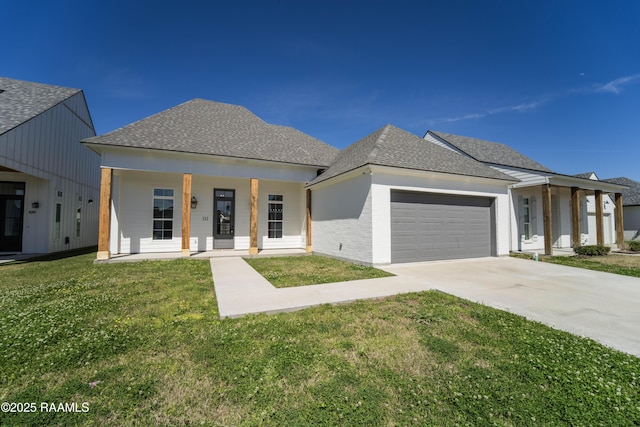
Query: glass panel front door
x,y
224,212
11,214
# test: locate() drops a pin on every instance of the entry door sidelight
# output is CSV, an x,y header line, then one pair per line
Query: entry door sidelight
x,y
224,212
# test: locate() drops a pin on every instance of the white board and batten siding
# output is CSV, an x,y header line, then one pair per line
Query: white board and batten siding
x,y
56,169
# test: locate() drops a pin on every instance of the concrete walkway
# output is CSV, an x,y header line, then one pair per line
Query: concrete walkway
x,y
240,290
602,306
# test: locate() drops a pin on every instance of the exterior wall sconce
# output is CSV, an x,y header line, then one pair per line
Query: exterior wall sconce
x,y
35,205
194,202
90,201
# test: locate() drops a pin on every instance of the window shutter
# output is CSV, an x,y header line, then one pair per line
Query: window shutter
x,y
534,216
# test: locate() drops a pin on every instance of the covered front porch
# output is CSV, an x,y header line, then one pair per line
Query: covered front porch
x,y
163,214
555,212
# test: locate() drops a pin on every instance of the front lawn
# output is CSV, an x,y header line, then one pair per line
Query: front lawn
x,y
626,265
142,344
284,272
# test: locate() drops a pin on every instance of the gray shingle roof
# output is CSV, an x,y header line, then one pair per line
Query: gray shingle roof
x,y
491,152
391,146
21,100
630,196
207,127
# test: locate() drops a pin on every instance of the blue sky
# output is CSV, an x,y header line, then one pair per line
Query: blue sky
x,y
557,80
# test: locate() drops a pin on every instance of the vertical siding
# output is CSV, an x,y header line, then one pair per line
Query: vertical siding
x,y
48,151
522,175
442,143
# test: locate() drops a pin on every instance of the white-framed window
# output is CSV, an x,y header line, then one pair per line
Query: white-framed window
x,y
276,216
162,213
526,215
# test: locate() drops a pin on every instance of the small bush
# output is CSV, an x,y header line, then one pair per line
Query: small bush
x,y
592,250
634,245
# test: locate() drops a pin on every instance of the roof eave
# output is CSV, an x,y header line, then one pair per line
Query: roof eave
x,y
96,147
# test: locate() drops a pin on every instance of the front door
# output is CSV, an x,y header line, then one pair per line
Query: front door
x,y
11,214
224,213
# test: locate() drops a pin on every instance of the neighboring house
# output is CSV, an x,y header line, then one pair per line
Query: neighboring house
x,y
631,206
608,211
48,180
547,208
205,175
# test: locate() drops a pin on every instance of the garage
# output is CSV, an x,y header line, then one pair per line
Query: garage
x,y
433,226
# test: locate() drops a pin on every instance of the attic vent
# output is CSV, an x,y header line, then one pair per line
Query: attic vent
x,y
1,90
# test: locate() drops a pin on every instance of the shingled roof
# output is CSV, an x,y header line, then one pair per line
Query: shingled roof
x,y
20,100
391,146
630,196
490,152
207,127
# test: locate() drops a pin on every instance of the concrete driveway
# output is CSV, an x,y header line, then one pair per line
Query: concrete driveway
x,y
602,306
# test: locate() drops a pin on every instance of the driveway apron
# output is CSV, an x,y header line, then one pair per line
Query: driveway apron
x,y
601,306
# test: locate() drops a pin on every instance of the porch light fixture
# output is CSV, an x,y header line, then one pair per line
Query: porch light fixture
x,y
194,202
35,205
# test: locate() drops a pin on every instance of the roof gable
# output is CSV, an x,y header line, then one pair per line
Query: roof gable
x,y
490,152
391,146
587,175
206,127
21,100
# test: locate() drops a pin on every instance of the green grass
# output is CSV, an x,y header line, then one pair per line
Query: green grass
x,y
618,264
148,336
283,272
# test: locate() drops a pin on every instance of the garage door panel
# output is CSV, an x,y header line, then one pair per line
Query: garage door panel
x,y
429,226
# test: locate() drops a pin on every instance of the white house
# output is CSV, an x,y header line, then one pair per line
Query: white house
x,y
631,206
49,182
548,210
205,176
608,212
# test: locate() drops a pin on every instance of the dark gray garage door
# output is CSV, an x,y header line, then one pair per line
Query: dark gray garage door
x,y
431,226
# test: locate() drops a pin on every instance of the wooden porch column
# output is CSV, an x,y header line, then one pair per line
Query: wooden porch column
x,y
575,217
186,214
253,218
599,219
619,222
104,226
547,219
309,249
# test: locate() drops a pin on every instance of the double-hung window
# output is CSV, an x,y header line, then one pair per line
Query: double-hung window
x,y
162,214
276,212
526,214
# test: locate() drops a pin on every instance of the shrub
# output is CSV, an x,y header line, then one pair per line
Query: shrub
x,y
592,250
634,245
